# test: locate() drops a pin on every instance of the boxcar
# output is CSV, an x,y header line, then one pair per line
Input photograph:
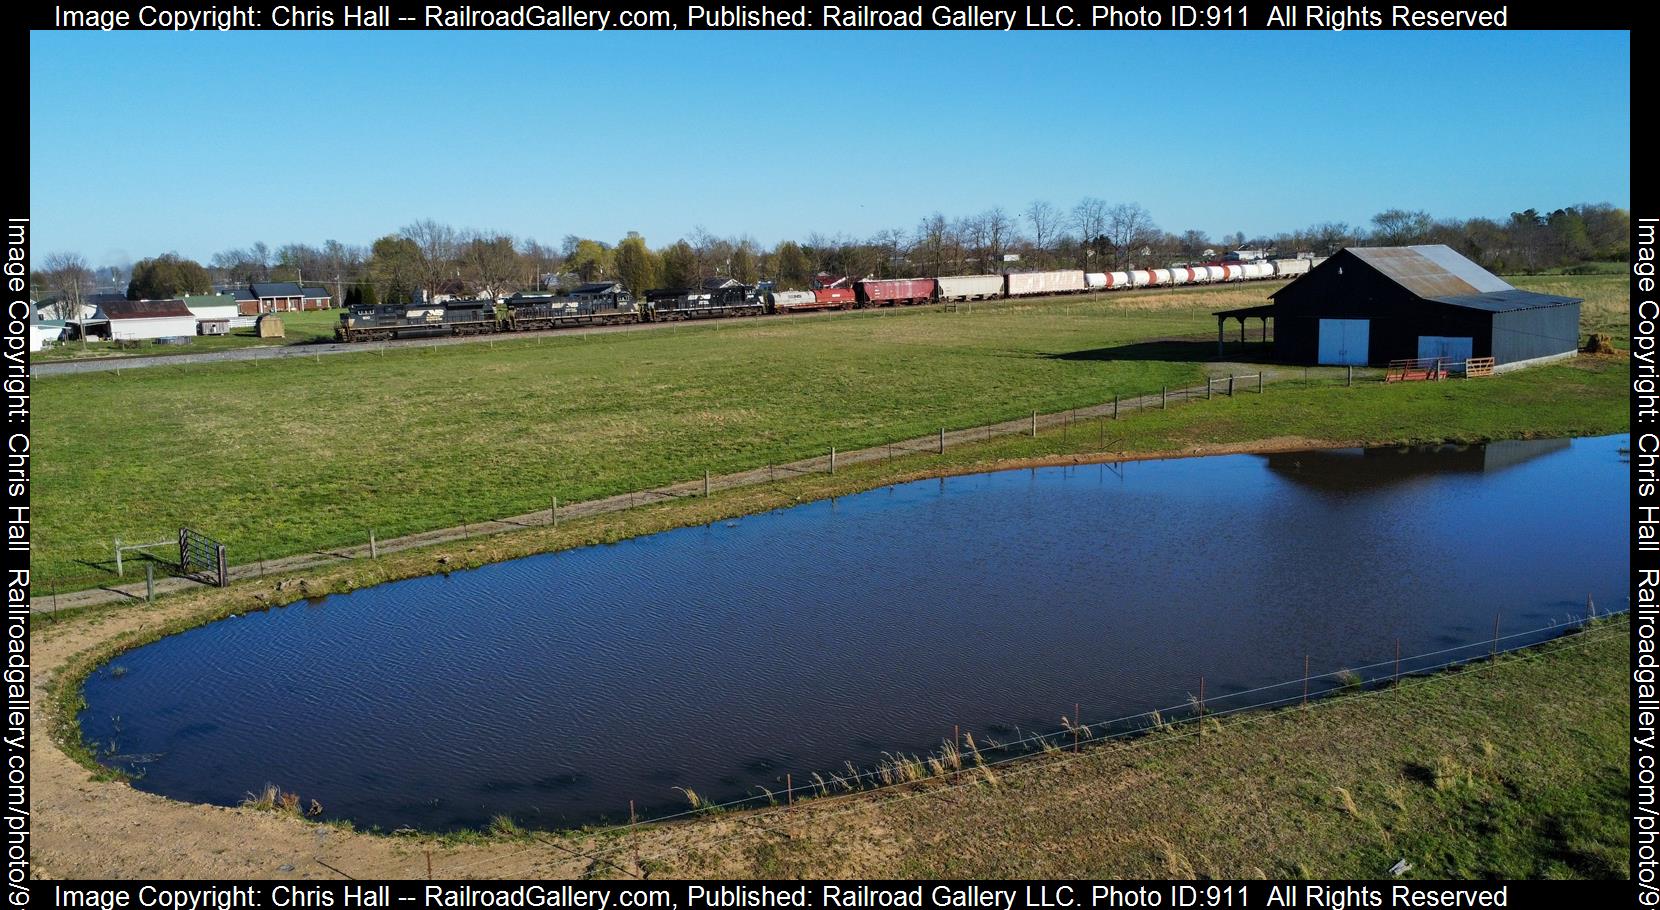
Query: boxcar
x,y
1290,267
894,291
971,287
1025,284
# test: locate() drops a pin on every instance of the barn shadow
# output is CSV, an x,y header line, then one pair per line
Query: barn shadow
x,y
1176,351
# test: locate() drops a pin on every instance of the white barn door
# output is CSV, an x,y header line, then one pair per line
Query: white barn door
x,y
1344,341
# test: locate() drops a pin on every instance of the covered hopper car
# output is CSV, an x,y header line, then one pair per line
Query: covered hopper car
x,y
894,291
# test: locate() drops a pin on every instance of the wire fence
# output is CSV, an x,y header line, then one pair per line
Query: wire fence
x,y
53,589
1072,741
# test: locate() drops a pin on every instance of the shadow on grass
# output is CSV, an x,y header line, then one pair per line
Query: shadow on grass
x,y
1176,351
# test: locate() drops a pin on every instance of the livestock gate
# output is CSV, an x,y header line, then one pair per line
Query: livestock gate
x,y
202,557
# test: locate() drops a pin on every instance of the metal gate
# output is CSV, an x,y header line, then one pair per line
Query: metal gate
x,y
202,556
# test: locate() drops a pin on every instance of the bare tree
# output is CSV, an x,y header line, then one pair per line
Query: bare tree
x,y
1045,221
1129,228
1398,227
243,266
1089,217
68,275
438,247
998,231
933,240
1193,244
538,262
490,265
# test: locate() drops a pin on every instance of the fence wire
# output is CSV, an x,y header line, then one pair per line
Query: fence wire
x,y
1174,720
1421,676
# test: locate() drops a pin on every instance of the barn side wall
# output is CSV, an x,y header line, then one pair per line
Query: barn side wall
x,y
1539,332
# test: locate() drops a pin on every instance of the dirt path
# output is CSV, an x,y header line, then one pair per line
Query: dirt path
x,y
135,590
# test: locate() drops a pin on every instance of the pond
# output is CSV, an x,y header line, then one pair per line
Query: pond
x,y
558,688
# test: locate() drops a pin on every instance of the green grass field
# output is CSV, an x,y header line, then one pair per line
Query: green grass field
x,y
281,457
298,328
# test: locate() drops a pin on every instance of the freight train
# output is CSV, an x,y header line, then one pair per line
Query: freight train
x,y
607,303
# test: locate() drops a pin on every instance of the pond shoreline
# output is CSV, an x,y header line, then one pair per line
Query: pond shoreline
x,y
68,649
535,675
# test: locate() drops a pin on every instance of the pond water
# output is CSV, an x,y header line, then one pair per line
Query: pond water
x,y
557,688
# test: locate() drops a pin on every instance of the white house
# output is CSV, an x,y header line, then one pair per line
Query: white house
x,y
132,320
44,331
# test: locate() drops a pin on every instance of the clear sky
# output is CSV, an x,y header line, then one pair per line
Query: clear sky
x,y
145,142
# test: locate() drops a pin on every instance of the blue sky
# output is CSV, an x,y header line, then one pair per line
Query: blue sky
x,y
146,142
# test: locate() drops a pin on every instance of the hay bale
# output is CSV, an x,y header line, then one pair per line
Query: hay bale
x,y
1599,343
269,326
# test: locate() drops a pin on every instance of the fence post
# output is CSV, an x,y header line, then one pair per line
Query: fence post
x,y
1259,382
374,552
942,440
1034,424
1114,407
553,512
149,582
1495,655
705,483
1230,385
1305,678
1164,397
832,459
118,569
1201,709
1351,380
1208,381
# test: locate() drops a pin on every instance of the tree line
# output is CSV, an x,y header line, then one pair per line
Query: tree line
x,y
1093,234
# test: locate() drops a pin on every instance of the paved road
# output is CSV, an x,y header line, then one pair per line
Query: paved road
x,y
274,352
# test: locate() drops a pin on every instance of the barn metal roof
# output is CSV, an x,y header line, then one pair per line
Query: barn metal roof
x,y
1431,270
144,309
1506,301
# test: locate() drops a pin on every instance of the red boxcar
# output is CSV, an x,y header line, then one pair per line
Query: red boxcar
x,y
894,291
835,297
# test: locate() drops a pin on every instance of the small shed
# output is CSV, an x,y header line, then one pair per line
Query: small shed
x,y
213,326
139,320
1373,305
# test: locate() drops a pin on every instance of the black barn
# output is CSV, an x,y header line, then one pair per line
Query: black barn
x,y
1371,305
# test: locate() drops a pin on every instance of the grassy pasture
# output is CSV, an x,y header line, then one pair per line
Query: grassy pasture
x,y
281,457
